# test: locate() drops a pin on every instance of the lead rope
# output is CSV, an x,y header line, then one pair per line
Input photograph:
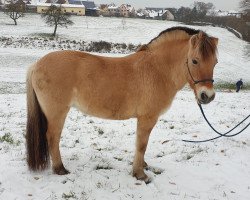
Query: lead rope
x,y
220,134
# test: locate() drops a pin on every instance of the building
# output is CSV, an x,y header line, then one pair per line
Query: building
x,y
154,9
104,10
167,15
67,8
90,7
220,13
113,10
157,13
127,10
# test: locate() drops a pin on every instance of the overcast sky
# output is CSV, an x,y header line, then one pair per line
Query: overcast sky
x,y
219,4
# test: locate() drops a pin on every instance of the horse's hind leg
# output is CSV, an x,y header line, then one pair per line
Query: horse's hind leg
x,y
144,128
55,126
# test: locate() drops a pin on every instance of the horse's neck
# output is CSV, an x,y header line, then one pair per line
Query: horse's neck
x,y
170,59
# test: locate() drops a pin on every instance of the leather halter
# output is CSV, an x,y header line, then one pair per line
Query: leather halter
x,y
198,81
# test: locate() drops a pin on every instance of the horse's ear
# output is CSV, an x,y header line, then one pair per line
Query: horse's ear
x,y
215,40
194,40
142,48
201,34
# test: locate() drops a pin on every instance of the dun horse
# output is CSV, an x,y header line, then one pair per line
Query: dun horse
x,y
141,85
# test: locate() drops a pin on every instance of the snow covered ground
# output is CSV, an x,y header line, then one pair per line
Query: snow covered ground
x,y
99,152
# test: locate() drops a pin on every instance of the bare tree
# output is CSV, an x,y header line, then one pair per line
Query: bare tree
x,y
183,14
14,10
203,8
55,16
245,5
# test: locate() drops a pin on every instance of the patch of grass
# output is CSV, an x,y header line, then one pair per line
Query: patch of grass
x,y
7,138
230,86
105,167
44,35
70,195
99,185
171,127
100,131
101,46
118,158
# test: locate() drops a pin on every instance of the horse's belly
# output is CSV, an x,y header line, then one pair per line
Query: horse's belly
x,y
102,108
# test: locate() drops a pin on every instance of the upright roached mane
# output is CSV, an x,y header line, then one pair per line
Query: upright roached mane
x,y
207,46
141,85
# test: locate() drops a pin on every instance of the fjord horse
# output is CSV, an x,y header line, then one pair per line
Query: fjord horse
x,y
141,85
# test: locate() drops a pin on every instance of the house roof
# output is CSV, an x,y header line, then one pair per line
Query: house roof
x,y
103,6
49,1
87,4
113,7
61,1
153,13
221,13
128,7
63,5
154,9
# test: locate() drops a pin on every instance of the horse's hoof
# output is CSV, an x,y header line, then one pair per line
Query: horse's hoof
x,y
142,177
61,170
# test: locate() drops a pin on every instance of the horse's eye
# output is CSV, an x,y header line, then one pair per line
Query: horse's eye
x,y
195,62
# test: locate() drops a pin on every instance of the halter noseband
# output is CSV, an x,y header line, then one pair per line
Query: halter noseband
x,y
199,81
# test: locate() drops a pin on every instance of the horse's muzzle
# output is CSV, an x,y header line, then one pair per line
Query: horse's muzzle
x,y
205,98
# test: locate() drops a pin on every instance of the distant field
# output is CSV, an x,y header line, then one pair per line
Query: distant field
x,y
233,53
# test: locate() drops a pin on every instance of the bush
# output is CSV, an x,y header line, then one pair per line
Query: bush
x,y
101,46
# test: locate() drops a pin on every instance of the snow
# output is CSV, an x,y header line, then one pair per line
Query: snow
x,y
213,170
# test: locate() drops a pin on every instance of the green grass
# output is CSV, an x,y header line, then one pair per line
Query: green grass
x,y
9,139
230,86
44,35
70,195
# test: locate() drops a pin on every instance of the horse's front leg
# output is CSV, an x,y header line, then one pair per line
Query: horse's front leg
x,y
144,128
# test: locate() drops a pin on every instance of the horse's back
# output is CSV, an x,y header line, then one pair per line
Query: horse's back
x,y
100,86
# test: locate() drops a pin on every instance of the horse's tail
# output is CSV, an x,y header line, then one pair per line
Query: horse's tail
x,y
36,141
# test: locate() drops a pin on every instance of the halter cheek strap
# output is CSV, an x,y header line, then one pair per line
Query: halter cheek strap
x,y
198,81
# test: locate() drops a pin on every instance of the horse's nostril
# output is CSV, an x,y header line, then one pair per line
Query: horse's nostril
x,y
212,98
204,97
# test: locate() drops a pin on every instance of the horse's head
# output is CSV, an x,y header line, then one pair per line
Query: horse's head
x,y
200,66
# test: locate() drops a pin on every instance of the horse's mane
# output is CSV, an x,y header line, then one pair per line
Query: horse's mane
x,y
189,31
207,46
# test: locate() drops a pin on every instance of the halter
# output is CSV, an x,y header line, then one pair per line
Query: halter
x,y
199,81
219,133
